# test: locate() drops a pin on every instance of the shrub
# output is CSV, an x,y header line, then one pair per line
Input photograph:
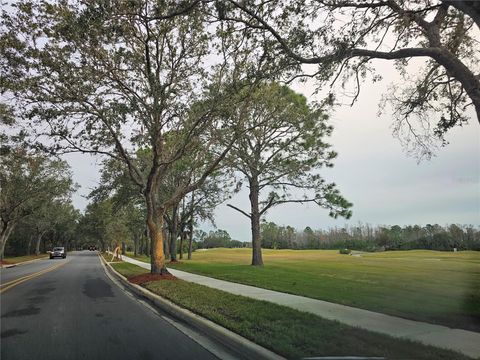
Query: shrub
x,y
345,251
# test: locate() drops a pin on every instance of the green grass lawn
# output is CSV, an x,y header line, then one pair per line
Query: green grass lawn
x,y
291,333
431,286
20,259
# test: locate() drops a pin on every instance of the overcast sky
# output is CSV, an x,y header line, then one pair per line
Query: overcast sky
x,y
372,171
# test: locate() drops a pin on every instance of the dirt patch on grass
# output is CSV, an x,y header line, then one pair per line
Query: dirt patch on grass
x,y
148,277
3,262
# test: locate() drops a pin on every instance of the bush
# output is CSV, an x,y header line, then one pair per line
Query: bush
x,y
345,251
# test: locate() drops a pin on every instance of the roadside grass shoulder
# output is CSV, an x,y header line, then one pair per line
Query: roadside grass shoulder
x,y
291,333
20,259
127,269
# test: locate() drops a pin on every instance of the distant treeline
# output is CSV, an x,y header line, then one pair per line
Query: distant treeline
x,y
373,238
360,237
215,239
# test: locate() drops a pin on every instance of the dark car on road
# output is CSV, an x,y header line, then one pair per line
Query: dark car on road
x,y
58,252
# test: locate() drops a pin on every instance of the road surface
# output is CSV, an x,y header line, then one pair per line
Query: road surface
x,y
76,312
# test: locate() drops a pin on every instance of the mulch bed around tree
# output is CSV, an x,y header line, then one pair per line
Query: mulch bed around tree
x,y
148,277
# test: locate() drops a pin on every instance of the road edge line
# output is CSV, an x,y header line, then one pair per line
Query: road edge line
x,y
238,343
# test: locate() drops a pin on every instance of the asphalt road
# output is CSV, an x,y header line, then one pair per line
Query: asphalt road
x,y
9,274
76,312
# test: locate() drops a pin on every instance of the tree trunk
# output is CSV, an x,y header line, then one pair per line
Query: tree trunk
x,y
135,244
190,238
29,245
174,234
155,231
182,238
190,227
7,229
37,244
146,242
255,222
166,243
39,241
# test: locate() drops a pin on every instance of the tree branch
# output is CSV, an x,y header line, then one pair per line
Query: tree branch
x,y
239,210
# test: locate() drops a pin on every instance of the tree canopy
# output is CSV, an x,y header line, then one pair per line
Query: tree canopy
x,y
111,78
28,183
342,37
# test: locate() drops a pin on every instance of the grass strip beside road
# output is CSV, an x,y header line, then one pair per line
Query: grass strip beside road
x,y
291,333
108,257
20,259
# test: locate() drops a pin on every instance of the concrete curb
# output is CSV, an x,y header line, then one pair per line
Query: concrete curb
x,y
240,345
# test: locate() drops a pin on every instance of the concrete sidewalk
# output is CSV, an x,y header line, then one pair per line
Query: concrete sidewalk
x,y
466,342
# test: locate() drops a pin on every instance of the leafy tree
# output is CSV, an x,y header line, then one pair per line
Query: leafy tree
x,y
111,78
66,226
309,237
457,235
343,37
269,233
51,217
43,230
200,206
218,238
135,222
107,226
27,183
126,199
282,155
117,185
199,236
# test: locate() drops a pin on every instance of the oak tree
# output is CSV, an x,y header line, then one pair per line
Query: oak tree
x,y
343,37
110,78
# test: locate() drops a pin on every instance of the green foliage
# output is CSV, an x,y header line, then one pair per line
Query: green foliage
x,y
32,188
283,153
113,78
341,38
367,238
217,238
104,226
345,251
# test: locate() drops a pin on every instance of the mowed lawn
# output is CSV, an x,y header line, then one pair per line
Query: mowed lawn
x,y
431,286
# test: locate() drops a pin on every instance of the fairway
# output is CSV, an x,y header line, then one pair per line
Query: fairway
x,y
431,286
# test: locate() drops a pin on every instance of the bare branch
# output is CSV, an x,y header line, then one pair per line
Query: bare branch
x,y
240,210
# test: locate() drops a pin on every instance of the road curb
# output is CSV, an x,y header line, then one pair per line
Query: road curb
x,y
239,344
